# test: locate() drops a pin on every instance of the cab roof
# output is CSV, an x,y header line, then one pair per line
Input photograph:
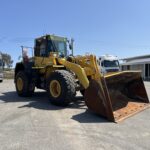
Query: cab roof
x,y
53,37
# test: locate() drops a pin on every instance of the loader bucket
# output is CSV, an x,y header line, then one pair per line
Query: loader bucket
x,y
117,96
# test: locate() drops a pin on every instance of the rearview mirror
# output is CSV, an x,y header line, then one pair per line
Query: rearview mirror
x,y
71,44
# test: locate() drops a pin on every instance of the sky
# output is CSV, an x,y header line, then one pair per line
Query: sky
x,y
117,27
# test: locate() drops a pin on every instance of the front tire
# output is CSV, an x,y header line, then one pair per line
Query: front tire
x,y
61,87
24,86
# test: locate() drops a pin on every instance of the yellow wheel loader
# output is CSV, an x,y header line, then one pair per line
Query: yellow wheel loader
x,y
115,96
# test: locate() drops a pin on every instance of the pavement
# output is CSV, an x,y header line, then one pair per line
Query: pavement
x,y
35,124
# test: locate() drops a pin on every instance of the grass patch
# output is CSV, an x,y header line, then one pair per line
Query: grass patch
x,y
8,74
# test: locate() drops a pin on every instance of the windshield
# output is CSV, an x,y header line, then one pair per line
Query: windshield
x,y
111,63
61,47
58,46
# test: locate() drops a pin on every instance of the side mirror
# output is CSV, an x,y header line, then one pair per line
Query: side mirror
x,y
70,47
71,44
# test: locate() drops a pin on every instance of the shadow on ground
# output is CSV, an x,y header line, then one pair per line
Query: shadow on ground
x,y
40,101
89,117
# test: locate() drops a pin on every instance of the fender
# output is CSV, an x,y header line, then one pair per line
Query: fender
x,y
78,70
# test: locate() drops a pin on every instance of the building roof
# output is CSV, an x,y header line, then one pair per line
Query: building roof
x,y
136,61
136,57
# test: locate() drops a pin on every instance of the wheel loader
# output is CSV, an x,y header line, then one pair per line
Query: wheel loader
x,y
115,96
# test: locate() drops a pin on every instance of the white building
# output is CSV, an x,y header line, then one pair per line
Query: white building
x,y
141,63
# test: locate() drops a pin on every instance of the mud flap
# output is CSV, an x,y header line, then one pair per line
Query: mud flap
x,y
117,96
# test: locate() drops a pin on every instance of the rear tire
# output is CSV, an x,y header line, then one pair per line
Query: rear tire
x,y
61,87
24,86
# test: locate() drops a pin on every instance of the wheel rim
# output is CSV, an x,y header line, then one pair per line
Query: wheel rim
x,y
20,84
55,88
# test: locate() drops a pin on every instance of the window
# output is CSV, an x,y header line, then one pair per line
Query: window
x,y
50,46
40,47
146,70
43,49
61,47
128,67
57,46
149,70
110,63
1,64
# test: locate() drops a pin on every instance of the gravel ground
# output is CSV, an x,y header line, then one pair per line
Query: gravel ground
x,y
33,123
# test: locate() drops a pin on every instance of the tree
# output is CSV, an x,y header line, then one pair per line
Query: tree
x,y
7,60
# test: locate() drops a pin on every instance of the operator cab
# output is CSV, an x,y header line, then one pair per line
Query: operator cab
x,y
51,44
